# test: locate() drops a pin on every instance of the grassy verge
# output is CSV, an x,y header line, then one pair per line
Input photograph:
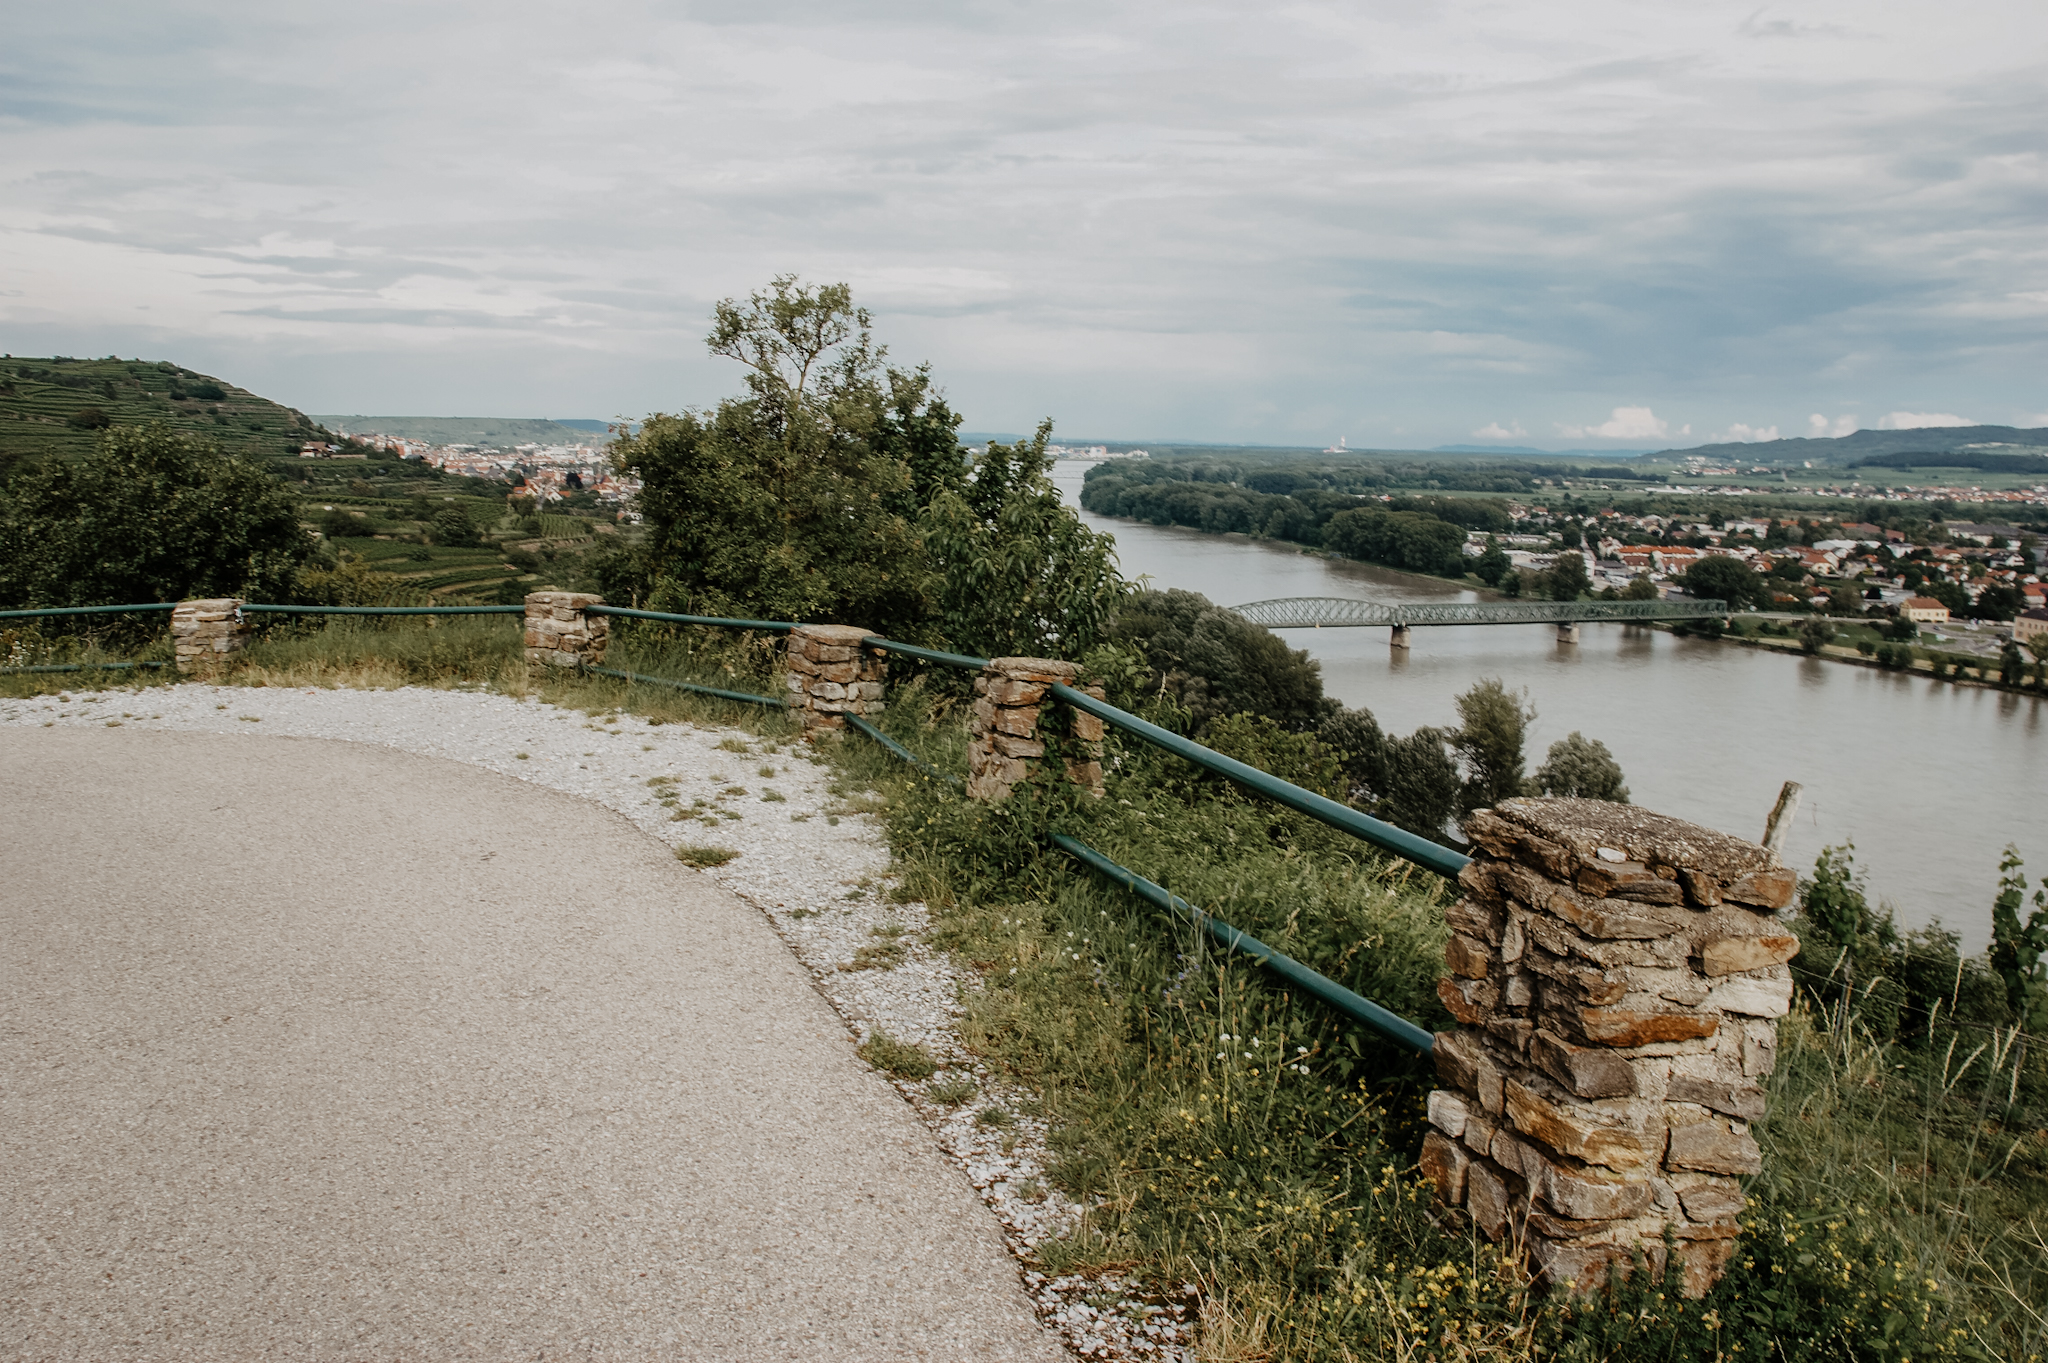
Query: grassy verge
x,y
1221,1130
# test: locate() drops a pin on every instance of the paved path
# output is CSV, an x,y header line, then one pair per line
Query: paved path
x,y
319,1050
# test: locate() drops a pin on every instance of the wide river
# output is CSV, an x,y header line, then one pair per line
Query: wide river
x,y
1929,780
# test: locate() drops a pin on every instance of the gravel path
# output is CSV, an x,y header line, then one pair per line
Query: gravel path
x,y
807,858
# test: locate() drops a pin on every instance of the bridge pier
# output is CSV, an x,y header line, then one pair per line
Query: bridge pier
x,y
1567,633
1399,638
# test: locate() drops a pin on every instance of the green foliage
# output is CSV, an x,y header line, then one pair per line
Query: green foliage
x,y
904,1059
2017,949
1413,540
453,528
1582,768
56,408
1493,724
1567,579
1016,574
1491,566
1717,577
1814,635
1214,662
149,516
836,490
89,419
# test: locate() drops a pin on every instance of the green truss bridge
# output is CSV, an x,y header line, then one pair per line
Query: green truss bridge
x,y
1337,612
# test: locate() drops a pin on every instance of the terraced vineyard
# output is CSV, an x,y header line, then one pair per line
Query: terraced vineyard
x,y
57,407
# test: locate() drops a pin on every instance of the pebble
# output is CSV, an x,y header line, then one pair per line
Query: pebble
x,y
811,861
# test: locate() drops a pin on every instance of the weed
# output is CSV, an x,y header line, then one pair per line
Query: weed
x,y
772,796
995,1115
886,954
953,1091
765,771
520,756
904,1059
733,744
704,855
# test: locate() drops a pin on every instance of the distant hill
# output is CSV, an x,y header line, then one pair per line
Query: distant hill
x,y
501,431
57,406
1622,455
1871,447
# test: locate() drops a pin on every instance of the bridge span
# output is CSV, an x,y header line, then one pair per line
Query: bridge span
x,y
1337,612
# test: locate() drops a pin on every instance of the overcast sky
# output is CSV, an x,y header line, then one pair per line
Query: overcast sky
x,y
1578,223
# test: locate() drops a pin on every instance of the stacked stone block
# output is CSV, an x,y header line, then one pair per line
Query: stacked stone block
x,y
560,632
205,634
1618,975
831,677
1008,741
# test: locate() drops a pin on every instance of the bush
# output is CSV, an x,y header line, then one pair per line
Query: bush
x,y
150,515
1214,662
89,419
1582,767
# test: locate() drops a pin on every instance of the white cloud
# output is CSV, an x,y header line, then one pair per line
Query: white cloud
x,y
1741,431
1819,428
1493,430
1627,423
1913,421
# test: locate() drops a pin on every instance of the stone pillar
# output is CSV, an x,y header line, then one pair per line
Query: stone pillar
x,y
558,631
1398,638
1567,633
830,676
1618,975
207,633
1009,705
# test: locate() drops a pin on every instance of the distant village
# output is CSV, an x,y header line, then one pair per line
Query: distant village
x,y
1881,566
549,473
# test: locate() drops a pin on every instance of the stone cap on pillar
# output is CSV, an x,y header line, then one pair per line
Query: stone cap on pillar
x,y
1044,670
1620,850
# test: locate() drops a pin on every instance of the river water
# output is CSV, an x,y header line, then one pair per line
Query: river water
x,y
1928,779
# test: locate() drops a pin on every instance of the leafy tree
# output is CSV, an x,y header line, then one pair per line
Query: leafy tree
x,y
1015,572
150,515
1567,580
836,489
1902,630
1511,584
1413,540
1950,594
1717,577
1493,724
1583,768
1214,662
1815,635
1996,601
2012,667
453,528
1422,787
2017,949
89,419
1492,565
1843,940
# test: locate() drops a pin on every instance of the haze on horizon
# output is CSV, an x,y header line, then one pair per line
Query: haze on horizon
x,y
1585,224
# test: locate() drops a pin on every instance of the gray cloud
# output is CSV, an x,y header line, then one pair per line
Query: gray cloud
x,y
1393,223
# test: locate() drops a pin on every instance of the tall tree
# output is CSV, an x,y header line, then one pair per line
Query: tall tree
x,y
1493,725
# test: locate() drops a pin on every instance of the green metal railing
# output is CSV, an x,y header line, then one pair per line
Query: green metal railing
x,y
778,626
89,610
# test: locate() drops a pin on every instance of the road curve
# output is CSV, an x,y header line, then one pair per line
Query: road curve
x,y
317,1050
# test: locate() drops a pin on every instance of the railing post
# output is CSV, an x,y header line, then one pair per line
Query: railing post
x,y
559,632
1618,975
206,633
830,676
1009,700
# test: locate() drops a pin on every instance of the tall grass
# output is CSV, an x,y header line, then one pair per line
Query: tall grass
x,y
1223,1130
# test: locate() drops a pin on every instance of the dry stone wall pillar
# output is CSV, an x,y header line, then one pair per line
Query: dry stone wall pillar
x,y
561,633
1009,733
831,676
1618,975
205,634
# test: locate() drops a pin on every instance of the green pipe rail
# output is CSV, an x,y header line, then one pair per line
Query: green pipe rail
x,y
930,655
74,667
667,617
1354,1006
1399,841
681,685
250,607
89,610
899,750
